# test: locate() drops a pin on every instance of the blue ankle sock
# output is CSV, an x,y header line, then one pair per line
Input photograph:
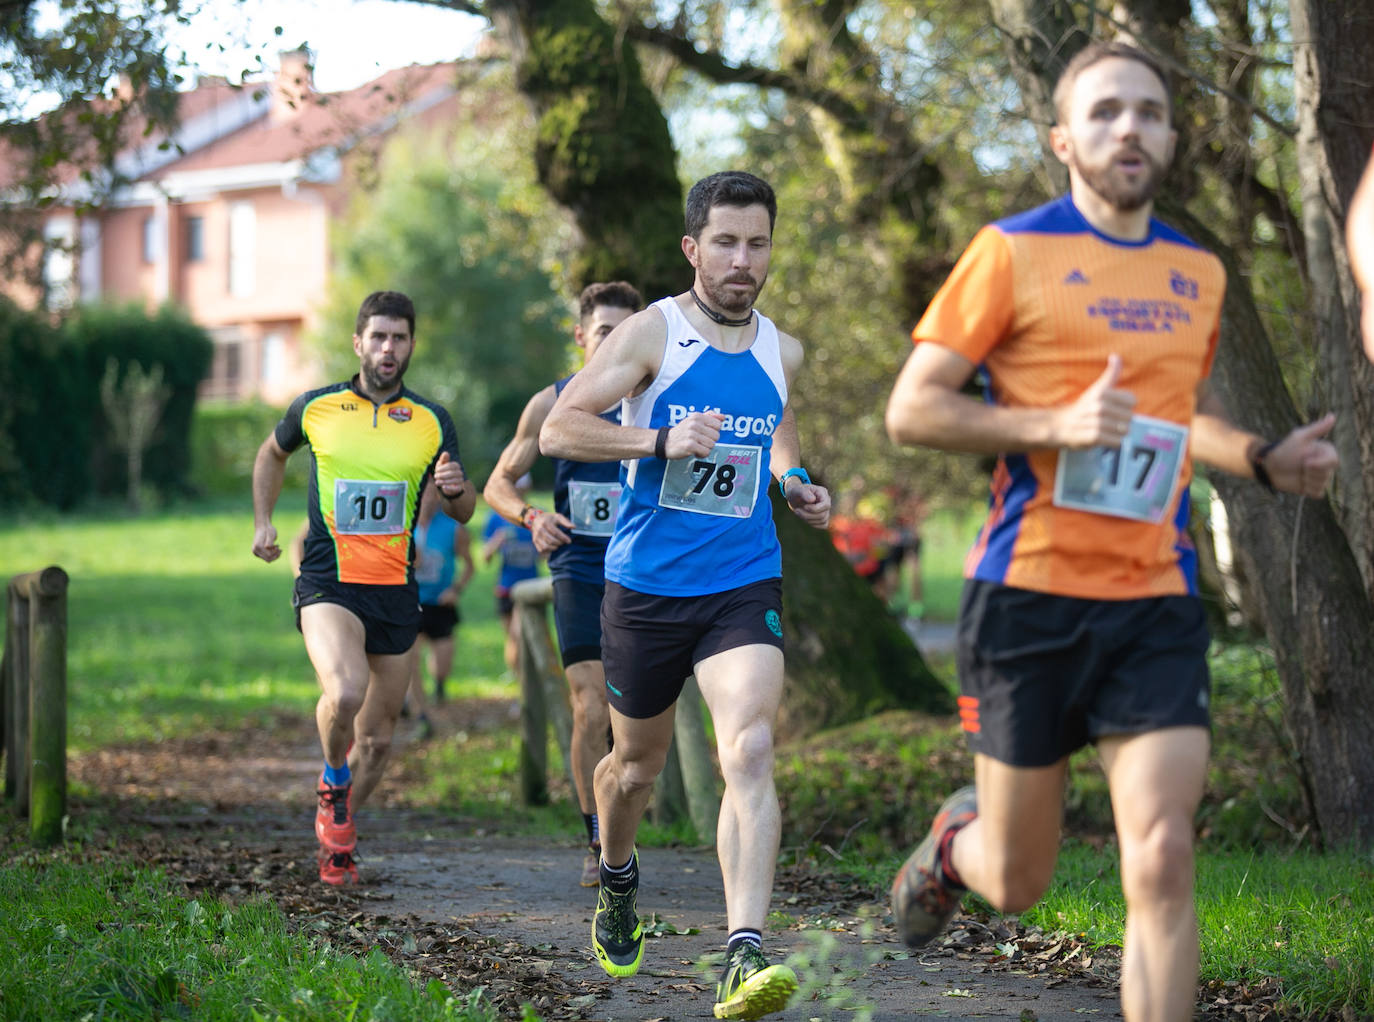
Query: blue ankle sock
x,y
337,777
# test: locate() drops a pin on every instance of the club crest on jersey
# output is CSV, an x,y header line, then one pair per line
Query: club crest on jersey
x,y
400,414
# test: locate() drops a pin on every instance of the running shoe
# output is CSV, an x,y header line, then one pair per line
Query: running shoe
x,y
337,868
749,987
617,937
591,868
923,901
334,818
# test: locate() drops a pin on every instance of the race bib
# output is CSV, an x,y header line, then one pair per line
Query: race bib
x,y
1136,481
363,507
592,507
725,482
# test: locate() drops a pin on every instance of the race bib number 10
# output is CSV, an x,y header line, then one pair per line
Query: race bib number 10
x,y
593,506
725,482
366,508
1136,481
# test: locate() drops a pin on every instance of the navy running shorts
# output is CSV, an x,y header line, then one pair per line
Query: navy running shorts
x,y
390,614
651,644
1041,676
577,617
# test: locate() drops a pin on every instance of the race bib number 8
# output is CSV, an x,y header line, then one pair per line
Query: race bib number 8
x,y
593,506
725,482
1136,481
363,507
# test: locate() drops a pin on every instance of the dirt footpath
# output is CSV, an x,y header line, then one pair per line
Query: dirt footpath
x,y
449,901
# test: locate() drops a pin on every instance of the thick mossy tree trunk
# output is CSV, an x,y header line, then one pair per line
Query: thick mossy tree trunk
x,y
847,657
602,145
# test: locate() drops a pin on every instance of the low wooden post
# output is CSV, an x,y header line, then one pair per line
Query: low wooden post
x,y
47,704
17,719
698,769
544,696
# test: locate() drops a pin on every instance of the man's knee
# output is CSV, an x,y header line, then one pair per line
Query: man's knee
x,y
633,773
1158,866
373,748
749,752
343,700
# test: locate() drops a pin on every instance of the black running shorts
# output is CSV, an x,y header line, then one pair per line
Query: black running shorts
x,y
1041,675
390,614
650,644
577,617
438,620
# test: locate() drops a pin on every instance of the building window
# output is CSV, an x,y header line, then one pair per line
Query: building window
x,y
243,249
226,368
195,239
273,358
59,263
151,248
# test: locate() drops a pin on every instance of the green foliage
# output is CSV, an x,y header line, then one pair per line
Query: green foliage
x,y
166,339
467,234
56,446
224,442
120,943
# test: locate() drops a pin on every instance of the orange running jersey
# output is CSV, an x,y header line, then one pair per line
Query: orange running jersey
x,y
369,463
1038,301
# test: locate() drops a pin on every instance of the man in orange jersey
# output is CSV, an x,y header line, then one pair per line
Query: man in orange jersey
x,y
374,445
1096,327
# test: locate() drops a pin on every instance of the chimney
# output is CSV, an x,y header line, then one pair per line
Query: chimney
x,y
294,85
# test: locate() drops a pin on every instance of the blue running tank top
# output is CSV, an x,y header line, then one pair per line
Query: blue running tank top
x,y
588,494
434,560
696,526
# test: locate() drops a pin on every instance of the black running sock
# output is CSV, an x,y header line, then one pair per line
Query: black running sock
x,y
590,821
741,936
620,879
951,875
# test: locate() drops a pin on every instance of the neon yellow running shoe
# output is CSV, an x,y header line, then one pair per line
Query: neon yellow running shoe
x,y
617,937
749,987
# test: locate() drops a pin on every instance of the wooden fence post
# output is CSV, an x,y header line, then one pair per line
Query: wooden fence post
x,y
694,756
47,704
17,719
544,697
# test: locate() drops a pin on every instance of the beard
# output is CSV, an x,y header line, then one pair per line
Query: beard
x,y
734,302
376,381
1120,194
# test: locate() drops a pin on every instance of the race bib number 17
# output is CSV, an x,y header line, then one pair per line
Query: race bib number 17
x,y
1135,481
725,482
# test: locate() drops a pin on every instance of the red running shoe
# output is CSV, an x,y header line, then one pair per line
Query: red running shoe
x,y
334,817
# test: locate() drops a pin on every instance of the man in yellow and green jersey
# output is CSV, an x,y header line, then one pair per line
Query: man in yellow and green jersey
x,y
373,447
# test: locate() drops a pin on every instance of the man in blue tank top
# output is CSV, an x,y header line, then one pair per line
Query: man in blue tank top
x,y
693,569
574,536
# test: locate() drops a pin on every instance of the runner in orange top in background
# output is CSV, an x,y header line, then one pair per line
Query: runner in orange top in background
x,y
1095,327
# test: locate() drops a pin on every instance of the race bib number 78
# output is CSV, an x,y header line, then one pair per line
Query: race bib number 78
x,y
725,482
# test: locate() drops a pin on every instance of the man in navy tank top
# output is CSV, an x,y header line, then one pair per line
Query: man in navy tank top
x,y
574,535
693,569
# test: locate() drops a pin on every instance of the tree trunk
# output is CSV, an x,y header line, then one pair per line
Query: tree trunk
x,y
1333,66
1317,618
602,146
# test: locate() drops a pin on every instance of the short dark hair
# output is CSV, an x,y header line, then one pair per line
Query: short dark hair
x,y
728,188
1096,52
616,293
392,304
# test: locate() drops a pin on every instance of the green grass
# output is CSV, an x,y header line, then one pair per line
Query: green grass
x,y
118,943
1305,919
